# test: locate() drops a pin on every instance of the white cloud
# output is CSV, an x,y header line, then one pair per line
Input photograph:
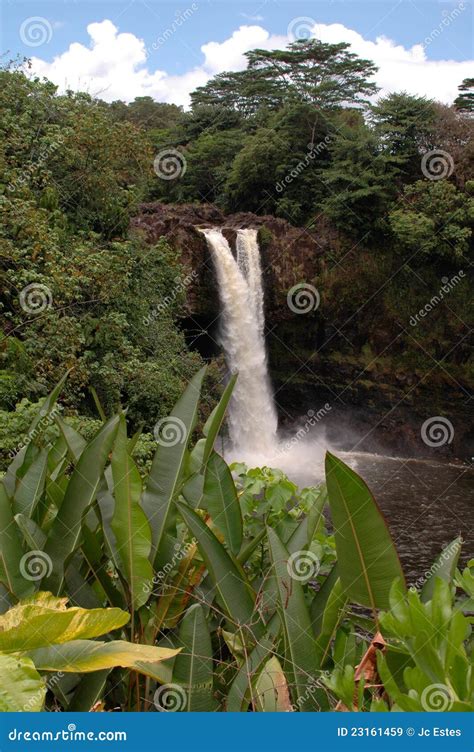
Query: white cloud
x,y
117,65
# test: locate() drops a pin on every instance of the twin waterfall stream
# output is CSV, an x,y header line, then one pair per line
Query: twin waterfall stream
x,y
252,414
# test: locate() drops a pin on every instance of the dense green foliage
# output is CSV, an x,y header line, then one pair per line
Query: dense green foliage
x,y
292,135
211,590
77,288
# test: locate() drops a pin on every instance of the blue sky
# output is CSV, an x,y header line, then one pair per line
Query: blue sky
x,y
442,28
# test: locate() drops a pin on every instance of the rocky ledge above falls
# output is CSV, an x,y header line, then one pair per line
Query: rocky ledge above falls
x,y
289,254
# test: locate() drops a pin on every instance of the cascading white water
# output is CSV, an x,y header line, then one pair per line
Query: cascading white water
x,y
252,415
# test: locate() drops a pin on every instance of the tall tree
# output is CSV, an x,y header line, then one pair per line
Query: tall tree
x,y
403,124
325,75
465,99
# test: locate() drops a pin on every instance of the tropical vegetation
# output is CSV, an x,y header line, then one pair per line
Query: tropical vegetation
x,y
212,588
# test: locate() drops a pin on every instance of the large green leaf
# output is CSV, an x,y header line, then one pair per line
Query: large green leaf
x,y
193,666
11,551
82,656
80,493
75,443
300,647
214,422
444,567
221,501
368,562
271,688
129,523
234,591
44,620
166,474
47,405
30,487
241,689
21,689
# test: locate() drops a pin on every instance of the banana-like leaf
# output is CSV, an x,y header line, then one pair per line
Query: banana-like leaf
x,y
32,533
193,666
241,691
166,474
48,404
235,593
30,487
271,689
21,689
44,620
332,615
221,501
82,656
320,599
300,647
11,551
81,491
214,422
129,523
444,567
368,562
75,443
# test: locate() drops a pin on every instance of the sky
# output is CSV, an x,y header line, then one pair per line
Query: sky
x,y
120,50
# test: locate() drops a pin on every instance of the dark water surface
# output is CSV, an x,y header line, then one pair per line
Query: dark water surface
x,y
426,505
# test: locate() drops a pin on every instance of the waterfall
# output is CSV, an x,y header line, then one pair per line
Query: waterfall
x,y
252,415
